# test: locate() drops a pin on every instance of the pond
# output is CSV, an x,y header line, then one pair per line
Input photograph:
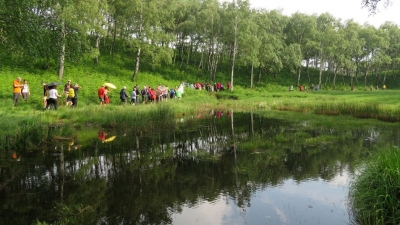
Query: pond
x,y
220,168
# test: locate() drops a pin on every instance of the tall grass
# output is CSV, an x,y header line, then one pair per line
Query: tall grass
x,y
141,119
32,133
359,110
375,192
63,124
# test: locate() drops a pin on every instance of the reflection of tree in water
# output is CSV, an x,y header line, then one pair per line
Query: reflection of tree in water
x,y
145,178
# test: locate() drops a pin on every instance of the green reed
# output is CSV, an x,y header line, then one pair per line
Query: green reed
x,y
32,133
358,110
255,143
375,192
140,117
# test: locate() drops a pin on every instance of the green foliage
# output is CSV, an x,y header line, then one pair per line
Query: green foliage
x,y
30,134
226,95
374,194
194,36
147,117
360,110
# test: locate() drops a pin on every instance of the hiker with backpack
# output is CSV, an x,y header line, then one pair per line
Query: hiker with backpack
x,y
76,88
123,95
145,95
172,93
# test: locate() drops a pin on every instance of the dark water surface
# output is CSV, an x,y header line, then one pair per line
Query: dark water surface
x,y
224,168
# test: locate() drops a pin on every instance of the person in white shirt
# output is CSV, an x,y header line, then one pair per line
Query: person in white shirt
x,y
53,94
133,96
25,90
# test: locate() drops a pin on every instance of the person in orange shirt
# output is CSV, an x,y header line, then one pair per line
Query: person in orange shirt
x,y
17,90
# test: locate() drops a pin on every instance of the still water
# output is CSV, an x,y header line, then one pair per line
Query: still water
x,y
221,168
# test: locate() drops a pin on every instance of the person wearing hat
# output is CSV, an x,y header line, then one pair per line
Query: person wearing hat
x,y
76,88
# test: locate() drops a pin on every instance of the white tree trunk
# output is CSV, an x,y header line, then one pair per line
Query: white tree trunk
x,y
251,76
62,52
234,50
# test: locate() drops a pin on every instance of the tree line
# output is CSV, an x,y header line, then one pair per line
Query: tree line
x,y
204,34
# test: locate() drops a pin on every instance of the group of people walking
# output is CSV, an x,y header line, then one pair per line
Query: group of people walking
x,y
137,95
218,86
51,95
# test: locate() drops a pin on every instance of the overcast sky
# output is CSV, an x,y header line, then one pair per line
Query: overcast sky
x,y
343,9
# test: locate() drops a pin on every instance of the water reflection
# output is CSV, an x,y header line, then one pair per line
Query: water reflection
x,y
288,203
105,137
227,169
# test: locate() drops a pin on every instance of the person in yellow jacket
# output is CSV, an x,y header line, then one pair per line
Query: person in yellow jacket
x,y
70,95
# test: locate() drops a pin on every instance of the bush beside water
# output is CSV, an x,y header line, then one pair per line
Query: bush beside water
x,y
375,192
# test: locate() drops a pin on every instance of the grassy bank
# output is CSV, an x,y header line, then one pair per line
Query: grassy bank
x,y
374,194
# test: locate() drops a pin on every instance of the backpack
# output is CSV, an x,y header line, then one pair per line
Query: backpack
x,y
71,93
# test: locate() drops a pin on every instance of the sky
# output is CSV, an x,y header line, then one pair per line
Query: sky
x,y
343,9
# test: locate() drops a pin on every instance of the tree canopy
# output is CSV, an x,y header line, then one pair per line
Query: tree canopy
x,y
211,36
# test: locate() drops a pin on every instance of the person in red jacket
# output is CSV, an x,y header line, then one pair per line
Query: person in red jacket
x,y
218,86
100,93
152,95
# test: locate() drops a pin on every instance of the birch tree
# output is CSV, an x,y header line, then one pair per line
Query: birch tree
x,y
373,43
393,50
270,30
209,27
302,30
326,27
76,18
